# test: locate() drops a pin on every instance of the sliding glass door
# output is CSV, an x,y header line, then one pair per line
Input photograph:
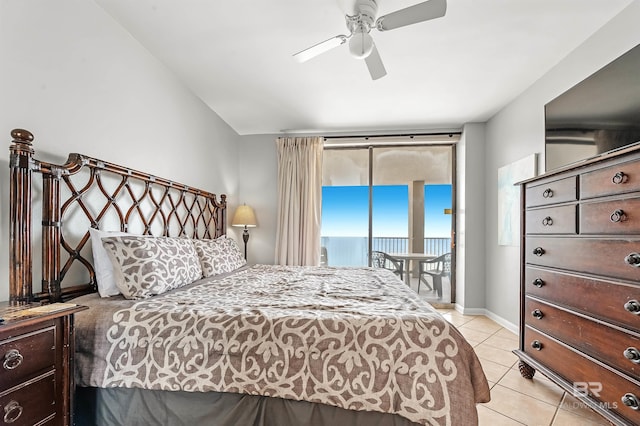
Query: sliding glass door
x,y
394,199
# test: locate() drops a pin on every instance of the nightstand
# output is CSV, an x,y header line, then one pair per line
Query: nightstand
x,y
36,357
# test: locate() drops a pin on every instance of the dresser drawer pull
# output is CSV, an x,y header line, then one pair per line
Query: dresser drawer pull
x,y
12,359
632,259
12,412
619,178
631,401
537,345
547,221
537,314
632,354
548,193
538,251
538,282
632,306
618,216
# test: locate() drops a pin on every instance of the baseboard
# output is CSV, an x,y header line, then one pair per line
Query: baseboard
x,y
482,311
503,322
470,311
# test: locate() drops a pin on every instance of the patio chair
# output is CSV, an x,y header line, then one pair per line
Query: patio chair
x,y
436,268
324,258
380,259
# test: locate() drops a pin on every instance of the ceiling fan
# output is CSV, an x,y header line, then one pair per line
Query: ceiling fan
x,y
361,43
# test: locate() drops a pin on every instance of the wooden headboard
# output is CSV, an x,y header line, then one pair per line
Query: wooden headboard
x,y
87,192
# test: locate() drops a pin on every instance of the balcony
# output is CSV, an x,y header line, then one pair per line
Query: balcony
x,y
353,251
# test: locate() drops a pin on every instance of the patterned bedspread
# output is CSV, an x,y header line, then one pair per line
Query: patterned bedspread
x,y
355,338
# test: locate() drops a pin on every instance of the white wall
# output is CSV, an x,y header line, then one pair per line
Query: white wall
x,y
470,256
80,83
518,130
258,170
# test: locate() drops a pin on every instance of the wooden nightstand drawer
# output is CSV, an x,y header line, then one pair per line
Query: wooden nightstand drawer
x,y
611,217
557,191
617,179
552,220
29,403
603,385
26,355
614,347
606,300
36,363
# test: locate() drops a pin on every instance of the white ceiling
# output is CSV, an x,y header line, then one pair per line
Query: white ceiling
x,y
236,55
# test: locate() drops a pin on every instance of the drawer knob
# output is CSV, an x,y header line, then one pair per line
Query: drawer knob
x,y
632,306
537,345
547,221
632,354
548,193
632,259
537,314
12,359
538,251
538,282
631,401
618,216
619,178
12,412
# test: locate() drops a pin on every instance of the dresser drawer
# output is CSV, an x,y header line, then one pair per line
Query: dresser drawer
x,y
30,403
618,179
600,341
606,300
610,258
26,355
557,191
611,217
587,376
552,220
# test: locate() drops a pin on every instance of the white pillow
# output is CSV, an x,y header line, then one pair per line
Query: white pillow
x,y
102,262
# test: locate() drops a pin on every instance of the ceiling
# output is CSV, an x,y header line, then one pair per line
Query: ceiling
x,y
464,67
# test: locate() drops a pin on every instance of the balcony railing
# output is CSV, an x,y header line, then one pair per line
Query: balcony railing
x,y
353,251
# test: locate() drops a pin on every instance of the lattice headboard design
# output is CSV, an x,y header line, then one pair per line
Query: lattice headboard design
x,y
86,192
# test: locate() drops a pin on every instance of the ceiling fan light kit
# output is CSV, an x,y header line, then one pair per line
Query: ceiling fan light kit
x,y
361,44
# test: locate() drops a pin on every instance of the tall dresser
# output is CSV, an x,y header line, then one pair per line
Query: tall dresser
x,y
580,282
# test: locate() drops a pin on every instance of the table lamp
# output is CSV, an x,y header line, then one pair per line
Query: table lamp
x,y
244,216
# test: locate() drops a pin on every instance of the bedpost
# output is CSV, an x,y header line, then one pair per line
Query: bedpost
x,y
222,223
20,256
51,234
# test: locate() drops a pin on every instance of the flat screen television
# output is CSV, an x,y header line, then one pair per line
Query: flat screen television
x,y
598,115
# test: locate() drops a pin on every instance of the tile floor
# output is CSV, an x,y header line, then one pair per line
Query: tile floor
x,y
515,400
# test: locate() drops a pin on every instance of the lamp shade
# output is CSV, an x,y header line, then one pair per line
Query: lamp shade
x,y
244,216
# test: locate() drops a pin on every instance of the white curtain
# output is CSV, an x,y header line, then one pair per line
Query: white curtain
x,y
299,200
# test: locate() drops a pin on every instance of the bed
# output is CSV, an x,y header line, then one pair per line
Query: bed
x,y
196,336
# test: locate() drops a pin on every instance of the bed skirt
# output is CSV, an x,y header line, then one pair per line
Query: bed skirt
x,y
138,407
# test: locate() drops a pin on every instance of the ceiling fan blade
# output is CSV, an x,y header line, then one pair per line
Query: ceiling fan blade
x,y
375,65
317,49
420,12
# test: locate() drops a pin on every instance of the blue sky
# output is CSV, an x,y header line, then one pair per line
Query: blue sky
x,y
345,211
